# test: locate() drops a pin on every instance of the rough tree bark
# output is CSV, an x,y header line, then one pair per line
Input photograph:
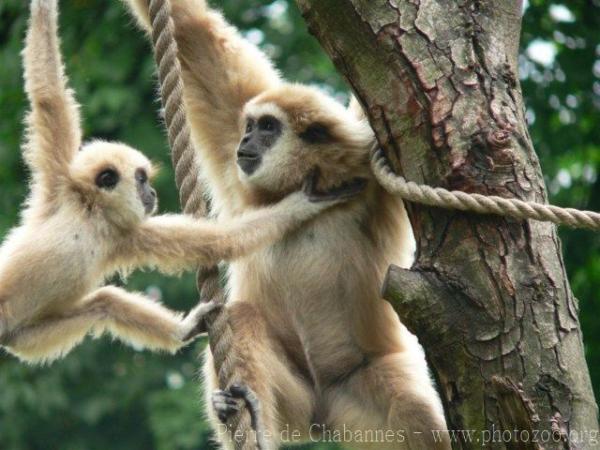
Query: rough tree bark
x,y
488,297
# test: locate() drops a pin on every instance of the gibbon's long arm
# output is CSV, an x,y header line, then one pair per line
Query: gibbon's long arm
x,y
221,72
54,133
131,317
175,243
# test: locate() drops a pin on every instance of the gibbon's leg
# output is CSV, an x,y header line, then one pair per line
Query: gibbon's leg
x,y
53,124
131,317
286,401
50,338
393,395
221,73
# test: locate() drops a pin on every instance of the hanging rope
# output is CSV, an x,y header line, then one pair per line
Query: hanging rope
x,y
482,204
187,170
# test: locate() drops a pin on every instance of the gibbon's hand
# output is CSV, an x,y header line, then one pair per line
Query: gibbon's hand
x,y
342,192
194,323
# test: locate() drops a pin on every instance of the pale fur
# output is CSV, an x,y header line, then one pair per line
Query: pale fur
x,y
73,234
313,338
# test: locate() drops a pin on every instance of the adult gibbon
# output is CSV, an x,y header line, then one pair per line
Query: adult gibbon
x,y
88,216
317,345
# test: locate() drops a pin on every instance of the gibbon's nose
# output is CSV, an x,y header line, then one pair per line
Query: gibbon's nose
x,y
150,203
249,155
248,149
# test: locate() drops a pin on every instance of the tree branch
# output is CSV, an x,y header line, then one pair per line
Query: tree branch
x,y
420,300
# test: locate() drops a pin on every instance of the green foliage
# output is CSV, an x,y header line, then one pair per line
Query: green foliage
x,y
105,395
564,98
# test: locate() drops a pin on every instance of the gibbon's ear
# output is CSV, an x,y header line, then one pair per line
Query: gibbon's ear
x,y
154,170
316,133
356,109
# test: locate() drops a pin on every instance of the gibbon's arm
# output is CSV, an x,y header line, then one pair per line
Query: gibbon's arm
x,y
221,72
53,124
175,243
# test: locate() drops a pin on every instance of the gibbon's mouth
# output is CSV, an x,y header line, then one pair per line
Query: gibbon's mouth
x,y
248,161
149,207
149,199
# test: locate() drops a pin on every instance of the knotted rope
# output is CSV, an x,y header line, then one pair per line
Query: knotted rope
x,y
187,178
482,204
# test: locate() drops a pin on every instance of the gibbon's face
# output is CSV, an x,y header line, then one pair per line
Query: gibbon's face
x,y
115,178
288,131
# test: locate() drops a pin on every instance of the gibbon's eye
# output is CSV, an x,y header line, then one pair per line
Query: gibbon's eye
x,y
249,126
316,133
107,179
141,176
268,123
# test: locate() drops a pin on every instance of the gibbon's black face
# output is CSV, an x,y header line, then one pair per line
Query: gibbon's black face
x,y
145,191
260,135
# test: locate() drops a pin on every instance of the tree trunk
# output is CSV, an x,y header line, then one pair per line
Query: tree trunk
x,y
487,296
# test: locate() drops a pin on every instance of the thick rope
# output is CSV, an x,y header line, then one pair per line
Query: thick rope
x,y
192,200
482,204
171,91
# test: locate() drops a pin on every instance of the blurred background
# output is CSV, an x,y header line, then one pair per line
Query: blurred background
x,y
107,396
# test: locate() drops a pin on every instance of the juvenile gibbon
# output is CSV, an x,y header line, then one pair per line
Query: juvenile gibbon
x,y
88,216
314,340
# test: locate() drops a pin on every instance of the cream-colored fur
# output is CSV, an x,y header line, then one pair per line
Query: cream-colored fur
x,y
74,233
314,340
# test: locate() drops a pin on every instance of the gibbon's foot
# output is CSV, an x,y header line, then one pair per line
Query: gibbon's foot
x,y
381,161
226,403
345,190
195,322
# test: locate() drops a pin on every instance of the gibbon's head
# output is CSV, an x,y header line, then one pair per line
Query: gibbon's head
x,y
289,130
114,179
